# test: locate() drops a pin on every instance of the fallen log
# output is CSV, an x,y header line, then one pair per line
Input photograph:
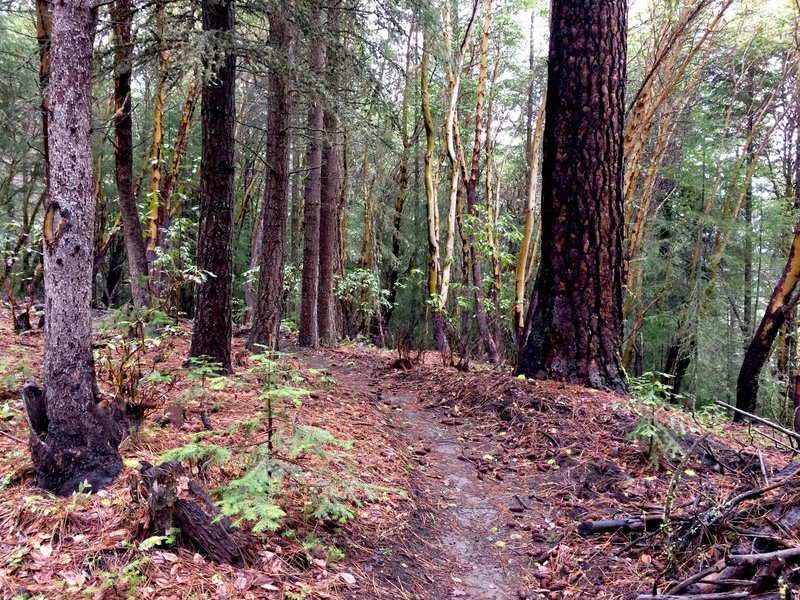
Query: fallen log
x,y
628,525
175,500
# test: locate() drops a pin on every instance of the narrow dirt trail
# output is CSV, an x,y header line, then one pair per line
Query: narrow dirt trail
x,y
452,544
451,484
502,472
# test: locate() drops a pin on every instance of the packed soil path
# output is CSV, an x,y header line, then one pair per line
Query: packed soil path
x,y
470,510
451,547
503,471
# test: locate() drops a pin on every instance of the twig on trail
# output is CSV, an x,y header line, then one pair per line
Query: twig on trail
x,y
636,541
761,420
711,596
739,560
772,539
715,568
11,437
620,525
774,440
716,513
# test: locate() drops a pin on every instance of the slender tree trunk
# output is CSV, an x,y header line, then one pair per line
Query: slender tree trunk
x,y
170,180
402,184
452,142
308,335
434,260
779,310
157,213
123,153
255,255
520,277
343,317
748,308
329,205
471,187
268,308
78,442
212,323
44,25
576,329
295,242
492,211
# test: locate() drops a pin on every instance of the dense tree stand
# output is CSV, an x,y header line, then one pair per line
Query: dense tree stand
x,y
576,327
72,440
212,325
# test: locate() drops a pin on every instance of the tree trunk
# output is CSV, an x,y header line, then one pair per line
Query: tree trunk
x,y
295,244
471,188
434,261
80,442
123,153
267,312
402,184
308,334
778,308
212,323
576,329
181,140
520,279
175,500
329,206
156,212
44,25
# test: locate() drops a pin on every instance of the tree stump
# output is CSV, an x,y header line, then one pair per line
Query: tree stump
x,y
175,500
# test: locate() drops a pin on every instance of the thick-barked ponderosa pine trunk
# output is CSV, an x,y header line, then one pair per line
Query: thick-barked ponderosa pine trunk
x,y
576,327
212,324
76,441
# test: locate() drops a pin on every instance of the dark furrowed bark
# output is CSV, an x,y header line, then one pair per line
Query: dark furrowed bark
x,y
329,210
576,327
212,325
123,153
268,308
308,335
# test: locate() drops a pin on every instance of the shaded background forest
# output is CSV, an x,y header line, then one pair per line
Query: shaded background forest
x,y
711,189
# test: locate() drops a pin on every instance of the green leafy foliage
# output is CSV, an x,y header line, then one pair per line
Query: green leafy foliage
x,y
654,427
121,361
251,497
294,458
197,452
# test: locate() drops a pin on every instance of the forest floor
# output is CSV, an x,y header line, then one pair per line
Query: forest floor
x,y
455,484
